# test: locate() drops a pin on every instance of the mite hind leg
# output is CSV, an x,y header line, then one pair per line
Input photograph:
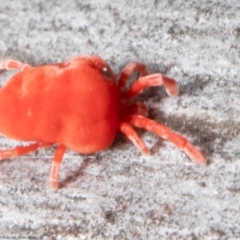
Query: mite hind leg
x,y
57,160
21,150
10,64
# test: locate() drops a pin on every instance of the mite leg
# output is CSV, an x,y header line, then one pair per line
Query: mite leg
x,y
21,150
57,160
152,80
166,133
132,135
129,70
13,65
137,108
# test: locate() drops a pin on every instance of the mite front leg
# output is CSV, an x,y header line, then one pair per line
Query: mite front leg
x,y
57,160
129,70
137,108
149,81
166,133
132,135
13,65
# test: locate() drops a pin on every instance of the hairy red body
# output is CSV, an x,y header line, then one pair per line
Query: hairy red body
x,y
73,104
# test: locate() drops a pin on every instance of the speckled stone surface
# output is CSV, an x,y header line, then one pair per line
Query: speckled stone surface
x,y
119,193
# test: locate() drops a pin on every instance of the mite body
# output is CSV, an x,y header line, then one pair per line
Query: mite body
x,y
80,105
72,103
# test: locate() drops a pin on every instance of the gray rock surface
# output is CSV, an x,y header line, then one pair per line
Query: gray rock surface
x,y
119,193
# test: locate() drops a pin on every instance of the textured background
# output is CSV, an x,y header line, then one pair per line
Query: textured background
x,y
119,193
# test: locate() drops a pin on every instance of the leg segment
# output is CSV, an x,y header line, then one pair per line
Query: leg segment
x,y
57,160
129,70
166,133
13,65
152,80
21,150
137,108
133,136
